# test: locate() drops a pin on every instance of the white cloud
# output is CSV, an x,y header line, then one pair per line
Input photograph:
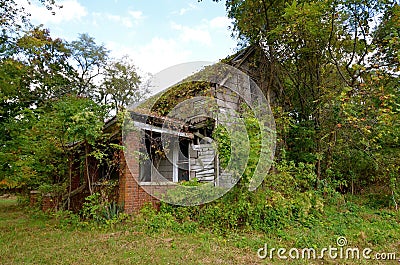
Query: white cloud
x,y
198,34
203,32
154,56
134,18
125,21
71,10
137,15
220,23
95,16
184,10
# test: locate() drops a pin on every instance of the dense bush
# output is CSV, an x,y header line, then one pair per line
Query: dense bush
x,y
286,197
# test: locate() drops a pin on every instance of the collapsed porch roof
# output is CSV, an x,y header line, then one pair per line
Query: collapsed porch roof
x,y
152,122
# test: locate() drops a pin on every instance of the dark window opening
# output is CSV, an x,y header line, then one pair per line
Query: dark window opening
x,y
108,166
171,164
145,159
183,160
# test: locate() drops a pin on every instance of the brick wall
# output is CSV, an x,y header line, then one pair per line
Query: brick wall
x,y
131,194
50,202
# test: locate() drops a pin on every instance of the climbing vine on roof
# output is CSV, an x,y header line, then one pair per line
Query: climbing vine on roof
x,y
179,93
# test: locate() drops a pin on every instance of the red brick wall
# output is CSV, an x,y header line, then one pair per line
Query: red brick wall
x,y
34,198
131,194
50,202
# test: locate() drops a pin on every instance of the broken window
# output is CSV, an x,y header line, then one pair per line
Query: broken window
x,y
160,163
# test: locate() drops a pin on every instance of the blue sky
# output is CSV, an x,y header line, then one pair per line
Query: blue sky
x,y
155,34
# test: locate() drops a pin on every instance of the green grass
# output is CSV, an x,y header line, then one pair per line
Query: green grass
x,y
34,238
31,237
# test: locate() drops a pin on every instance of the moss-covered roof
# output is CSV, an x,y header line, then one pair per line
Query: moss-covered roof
x,y
163,102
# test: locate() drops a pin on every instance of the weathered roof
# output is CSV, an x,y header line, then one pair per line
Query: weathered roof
x,y
152,110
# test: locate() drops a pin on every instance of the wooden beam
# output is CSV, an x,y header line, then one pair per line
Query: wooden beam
x,y
153,128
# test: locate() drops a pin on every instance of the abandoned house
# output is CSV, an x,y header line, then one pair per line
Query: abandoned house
x,y
171,141
173,132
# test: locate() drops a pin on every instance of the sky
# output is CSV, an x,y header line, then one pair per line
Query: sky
x,y
154,34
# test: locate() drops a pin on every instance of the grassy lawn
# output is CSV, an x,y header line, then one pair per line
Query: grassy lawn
x,y
35,239
28,237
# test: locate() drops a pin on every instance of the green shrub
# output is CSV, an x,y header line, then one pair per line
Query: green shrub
x,y
260,210
100,211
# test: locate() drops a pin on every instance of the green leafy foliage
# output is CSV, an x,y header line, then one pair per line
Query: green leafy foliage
x,y
39,151
286,197
262,210
221,136
333,67
48,104
101,211
179,93
91,60
122,84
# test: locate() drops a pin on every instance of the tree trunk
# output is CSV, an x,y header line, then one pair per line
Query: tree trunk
x,y
88,175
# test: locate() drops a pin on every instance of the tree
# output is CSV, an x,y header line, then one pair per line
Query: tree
x,y
50,75
37,72
336,76
42,141
49,109
386,38
91,60
15,91
122,84
14,20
